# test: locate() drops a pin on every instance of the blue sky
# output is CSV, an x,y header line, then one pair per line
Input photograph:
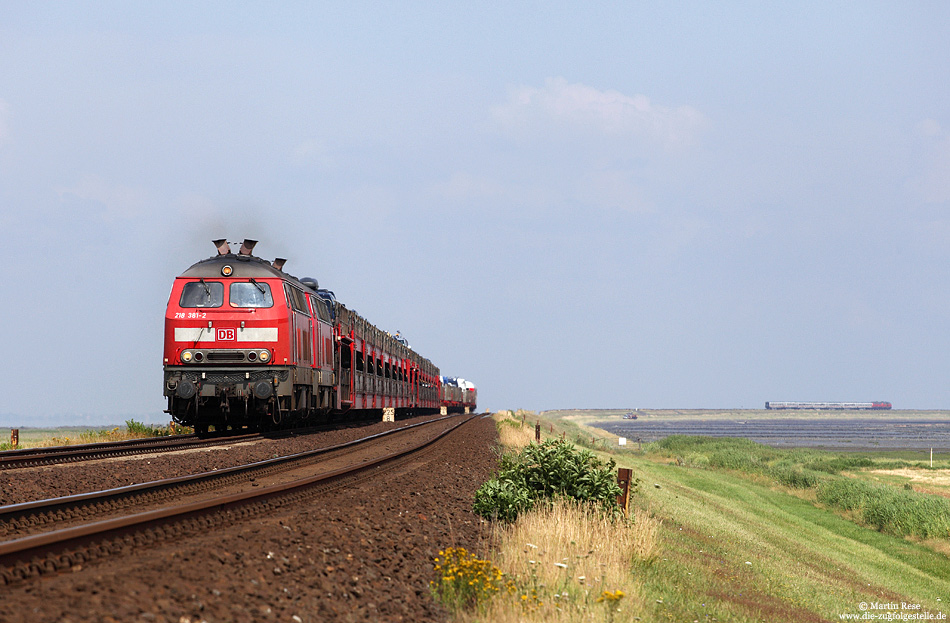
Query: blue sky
x,y
572,205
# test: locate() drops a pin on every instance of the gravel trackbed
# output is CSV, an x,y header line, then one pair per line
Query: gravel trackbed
x,y
360,553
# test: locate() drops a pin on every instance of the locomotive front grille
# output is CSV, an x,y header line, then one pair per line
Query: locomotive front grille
x,y
220,377
226,355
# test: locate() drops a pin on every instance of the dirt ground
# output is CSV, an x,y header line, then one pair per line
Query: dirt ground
x,y
360,553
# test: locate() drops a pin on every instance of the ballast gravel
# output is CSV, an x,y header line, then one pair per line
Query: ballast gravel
x,y
50,481
362,552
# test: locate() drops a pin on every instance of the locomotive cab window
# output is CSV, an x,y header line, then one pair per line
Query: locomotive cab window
x,y
202,294
250,294
320,309
297,300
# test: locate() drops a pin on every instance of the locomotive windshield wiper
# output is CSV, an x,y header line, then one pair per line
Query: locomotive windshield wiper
x,y
259,286
207,289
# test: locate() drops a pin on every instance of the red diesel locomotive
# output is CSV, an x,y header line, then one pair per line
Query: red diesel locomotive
x,y
247,344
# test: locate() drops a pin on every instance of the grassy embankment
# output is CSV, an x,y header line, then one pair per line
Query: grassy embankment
x,y
73,435
561,562
742,532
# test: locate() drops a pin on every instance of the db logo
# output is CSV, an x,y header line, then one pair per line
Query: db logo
x,y
226,335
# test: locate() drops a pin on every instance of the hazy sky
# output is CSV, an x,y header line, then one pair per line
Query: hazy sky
x,y
570,204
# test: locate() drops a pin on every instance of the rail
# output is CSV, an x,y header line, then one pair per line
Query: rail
x,y
34,457
54,551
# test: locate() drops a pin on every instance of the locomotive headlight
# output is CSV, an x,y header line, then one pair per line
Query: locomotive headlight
x,y
265,356
186,356
226,270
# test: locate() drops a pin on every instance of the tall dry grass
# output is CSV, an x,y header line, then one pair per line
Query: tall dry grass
x,y
132,430
512,433
571,563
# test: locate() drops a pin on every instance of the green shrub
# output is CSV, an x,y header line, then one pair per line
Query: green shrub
x,y
838,464
501,498
550,470
908,513
739,459
696,459
845,493
794,476
889,509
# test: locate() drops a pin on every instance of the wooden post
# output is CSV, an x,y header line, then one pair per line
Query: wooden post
x,y
15,437
537,432
623,479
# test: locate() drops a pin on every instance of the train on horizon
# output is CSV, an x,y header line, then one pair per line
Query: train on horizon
x,y
249,345
875,406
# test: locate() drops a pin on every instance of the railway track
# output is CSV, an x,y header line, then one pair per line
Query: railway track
x,y
197,503
34,457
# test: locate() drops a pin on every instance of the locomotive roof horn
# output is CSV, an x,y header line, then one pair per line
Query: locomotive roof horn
x,y
247,246
223,247
279,263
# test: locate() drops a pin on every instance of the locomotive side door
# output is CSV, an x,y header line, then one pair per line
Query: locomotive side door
x,y
322,339
301,328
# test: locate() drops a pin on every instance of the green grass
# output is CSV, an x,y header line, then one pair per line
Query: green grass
x,y
804,559
745,538
897,510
